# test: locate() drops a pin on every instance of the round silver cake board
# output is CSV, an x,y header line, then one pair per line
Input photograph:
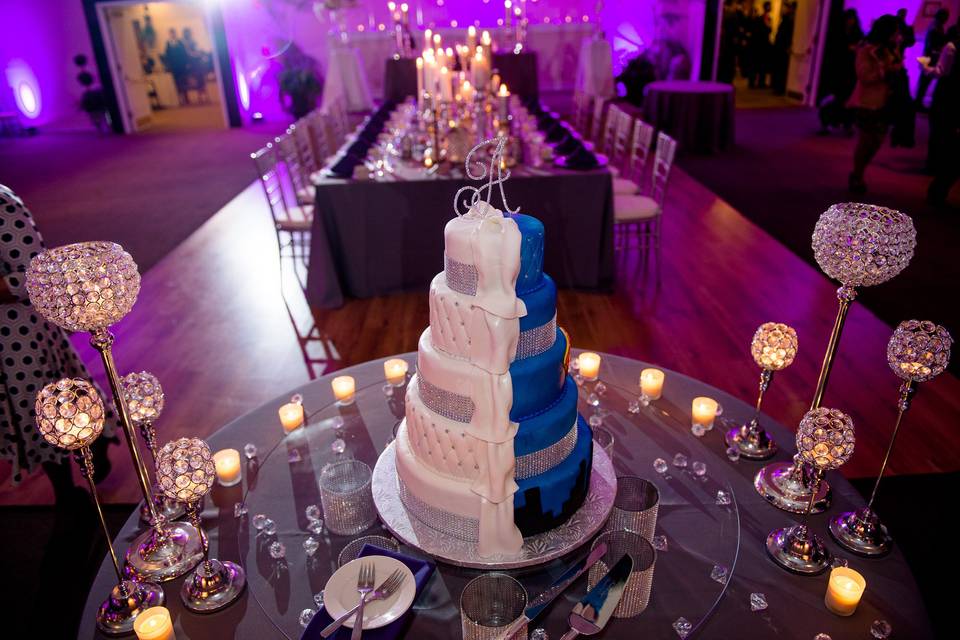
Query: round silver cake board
x,y
538,549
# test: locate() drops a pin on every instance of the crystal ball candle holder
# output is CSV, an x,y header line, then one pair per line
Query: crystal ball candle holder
x,y
144,397
185,470
69,413
825,438
919,351
774,346
85,286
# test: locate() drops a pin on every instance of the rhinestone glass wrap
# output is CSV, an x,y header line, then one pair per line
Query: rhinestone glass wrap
x,y
445,403
466,529
774,346
919,351
143,395
69,413
535,341
861,245
461,277
185,470
85,286
825,438
533,464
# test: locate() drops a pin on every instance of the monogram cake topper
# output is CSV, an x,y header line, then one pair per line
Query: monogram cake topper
x,y
469,196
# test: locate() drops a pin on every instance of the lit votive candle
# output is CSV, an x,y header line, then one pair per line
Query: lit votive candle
x,y
651,383
227,462
844,590
395,370
344,388
589,365
154,624
291,416
704,411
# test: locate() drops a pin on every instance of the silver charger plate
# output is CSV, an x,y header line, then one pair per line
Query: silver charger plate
x,y
538,549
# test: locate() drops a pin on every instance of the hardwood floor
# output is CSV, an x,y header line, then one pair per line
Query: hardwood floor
x,y
212,324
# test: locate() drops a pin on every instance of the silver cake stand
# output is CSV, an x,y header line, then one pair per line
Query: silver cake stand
x,y
538,549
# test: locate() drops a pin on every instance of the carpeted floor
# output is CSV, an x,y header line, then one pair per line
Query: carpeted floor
x,y
147,191
783,176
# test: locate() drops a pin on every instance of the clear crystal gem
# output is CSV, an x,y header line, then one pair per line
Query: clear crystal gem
x,y
659,543
306,616
758,602
339,446
259,520
595,420
250,451
574,364
600,388
723,498
578,379
593,400
540,634
310,546
660,466
680,461
837,561
719,574
294,456
312,512
683,627
278,550
699,469
388,390
318,599
269,527
733,453
697,429
315,526
338,423
881,629
822,636
296,398
239,510
633,406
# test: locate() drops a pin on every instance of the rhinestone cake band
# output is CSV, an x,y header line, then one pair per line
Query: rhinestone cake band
x,y
437,519
533,464
445,403
461,277
533,342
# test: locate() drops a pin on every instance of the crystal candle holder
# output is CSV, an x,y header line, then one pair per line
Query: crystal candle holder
x,y
651,385
346,497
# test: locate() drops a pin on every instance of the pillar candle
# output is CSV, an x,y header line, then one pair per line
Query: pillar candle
x,y
446,89
704,410
291,416
471,38
419,83
344,388
227,462
395,371
503,97
428,37
844,590
651,383
507,12
589,365
405,11
486,43
154,624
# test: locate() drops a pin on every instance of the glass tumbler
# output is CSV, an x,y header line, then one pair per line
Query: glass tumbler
x,y
636,595
489,604
346,497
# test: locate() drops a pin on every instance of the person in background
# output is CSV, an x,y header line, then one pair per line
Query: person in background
x,y
902,112
944,149
196,65
907,36
878,63
933,42
727,58
782,44
760,48
840,74
177,61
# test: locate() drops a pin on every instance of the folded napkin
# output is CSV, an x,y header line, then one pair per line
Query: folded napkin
x,y
421,569
581,160
571,144
556,132
343,167
359,149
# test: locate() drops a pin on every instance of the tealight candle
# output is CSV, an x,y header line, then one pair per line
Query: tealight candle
x,y
291,416
844,590
589,365
154,624
344,388
704,411
227,463
395,371
651,383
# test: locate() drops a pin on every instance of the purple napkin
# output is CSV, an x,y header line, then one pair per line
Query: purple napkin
x,y
421,569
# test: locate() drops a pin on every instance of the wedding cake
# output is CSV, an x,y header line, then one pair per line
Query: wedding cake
x,y
492,448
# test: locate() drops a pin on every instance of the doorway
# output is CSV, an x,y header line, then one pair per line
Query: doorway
x,y
165,71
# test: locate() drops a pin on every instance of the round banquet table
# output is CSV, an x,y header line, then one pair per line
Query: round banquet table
x,y
698,114
700,533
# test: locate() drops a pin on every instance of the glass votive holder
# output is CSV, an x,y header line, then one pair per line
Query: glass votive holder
x,y
604,439
703,412
489,604
352,551
651,384
635,507
589,365
844,590
291,416
344,390
395,371
227,463
636,594
346,497
154,623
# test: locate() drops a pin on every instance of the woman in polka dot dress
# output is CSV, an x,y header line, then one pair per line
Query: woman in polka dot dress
x,y
33,353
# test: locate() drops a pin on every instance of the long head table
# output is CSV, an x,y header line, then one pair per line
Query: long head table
x,y
699,533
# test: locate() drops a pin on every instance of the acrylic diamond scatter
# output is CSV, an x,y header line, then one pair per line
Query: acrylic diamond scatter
x,y
719,574
698,429
837,561
660,466
699,469
278,550
633,407
310,546
318,599
259,521
239,510
293,456
306,616
312,512
578,379
758,602
269,527
680,461
250,451
822,636
315,526
595,420
881,629
683,627
338,423
540,634
723,498
659,543
600,388
338,446
733,453
593,400
296,398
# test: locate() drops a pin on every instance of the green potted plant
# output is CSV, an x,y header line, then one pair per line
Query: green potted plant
x,y
300,82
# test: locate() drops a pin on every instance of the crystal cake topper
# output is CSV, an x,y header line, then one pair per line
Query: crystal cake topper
x,y
477,193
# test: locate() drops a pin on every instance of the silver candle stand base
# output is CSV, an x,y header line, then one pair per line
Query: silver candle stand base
x,y
778,486
126,601
798,550
861,532
178,551
214,585
753,443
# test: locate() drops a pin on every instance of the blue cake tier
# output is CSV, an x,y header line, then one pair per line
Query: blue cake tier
x,y
537,380
545,428
531,253
548,500
541,303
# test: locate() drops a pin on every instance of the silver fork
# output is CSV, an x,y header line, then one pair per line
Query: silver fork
x,y
386,589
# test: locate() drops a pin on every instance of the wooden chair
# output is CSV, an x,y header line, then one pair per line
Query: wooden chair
x,y
320,142
298,174
640,214
581,112
294,222
611,127
634,168
338,122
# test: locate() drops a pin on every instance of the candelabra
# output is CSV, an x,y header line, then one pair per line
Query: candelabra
x,y
859,245
917,352
70,417
89,287
144,397
774,347
186,473
825,441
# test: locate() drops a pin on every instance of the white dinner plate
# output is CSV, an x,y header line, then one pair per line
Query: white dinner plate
x,y
340,595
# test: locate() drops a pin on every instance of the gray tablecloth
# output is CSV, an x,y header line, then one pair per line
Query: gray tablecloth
x,y
270,607
375,238
698,114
